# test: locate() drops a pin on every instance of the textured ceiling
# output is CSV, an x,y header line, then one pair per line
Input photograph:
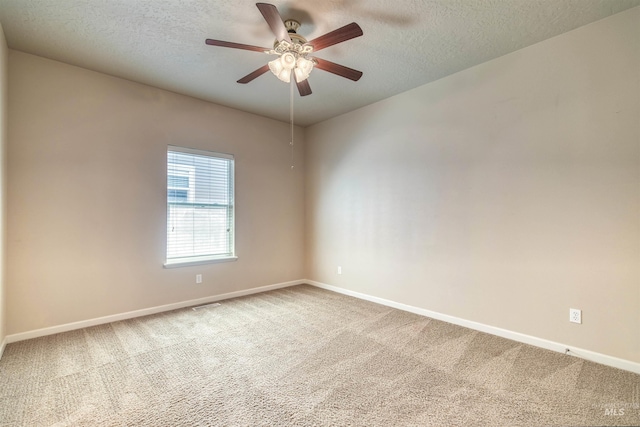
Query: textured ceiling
x,y
405,44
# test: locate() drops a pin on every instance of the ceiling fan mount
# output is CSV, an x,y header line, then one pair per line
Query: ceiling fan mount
x,y
298,43
291,25
294,50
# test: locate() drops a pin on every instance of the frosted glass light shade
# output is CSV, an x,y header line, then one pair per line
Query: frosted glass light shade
x,y
280,71
303,69
288,60
300,75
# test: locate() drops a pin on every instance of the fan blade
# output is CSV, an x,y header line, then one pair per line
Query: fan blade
x,y
303,87
221,43
338,69
273,18
340,35
257,73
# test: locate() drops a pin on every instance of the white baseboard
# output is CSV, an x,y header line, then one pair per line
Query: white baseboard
x,y
143,312
3,344
604,359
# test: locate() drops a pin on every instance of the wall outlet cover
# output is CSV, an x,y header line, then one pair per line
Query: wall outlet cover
x,y
575,315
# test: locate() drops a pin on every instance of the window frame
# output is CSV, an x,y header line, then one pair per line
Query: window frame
x,y
190,172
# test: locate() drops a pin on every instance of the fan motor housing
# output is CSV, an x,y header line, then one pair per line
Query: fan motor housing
x,y
292,27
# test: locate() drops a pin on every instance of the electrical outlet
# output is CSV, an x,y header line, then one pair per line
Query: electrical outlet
x,y
575,315
198,278
339,270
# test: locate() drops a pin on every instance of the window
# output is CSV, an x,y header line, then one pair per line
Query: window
x,y
199,206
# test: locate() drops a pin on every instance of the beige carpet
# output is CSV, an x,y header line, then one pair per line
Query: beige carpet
x,y
302,356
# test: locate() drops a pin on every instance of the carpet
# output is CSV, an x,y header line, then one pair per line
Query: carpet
x,y
302,356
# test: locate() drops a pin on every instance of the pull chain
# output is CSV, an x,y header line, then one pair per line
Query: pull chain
x,y
291,118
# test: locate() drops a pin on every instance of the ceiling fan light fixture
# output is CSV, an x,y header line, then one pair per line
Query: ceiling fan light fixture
x,y
303,68
288,62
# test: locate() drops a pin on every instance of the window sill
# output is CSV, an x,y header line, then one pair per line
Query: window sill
x,y
186,262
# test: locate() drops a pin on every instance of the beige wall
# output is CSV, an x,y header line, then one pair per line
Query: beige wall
x,y
504,194
3,137
87,195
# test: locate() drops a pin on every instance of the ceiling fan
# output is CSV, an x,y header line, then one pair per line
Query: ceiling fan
x,y
294,51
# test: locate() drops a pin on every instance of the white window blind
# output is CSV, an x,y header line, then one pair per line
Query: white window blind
x,y
200,214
